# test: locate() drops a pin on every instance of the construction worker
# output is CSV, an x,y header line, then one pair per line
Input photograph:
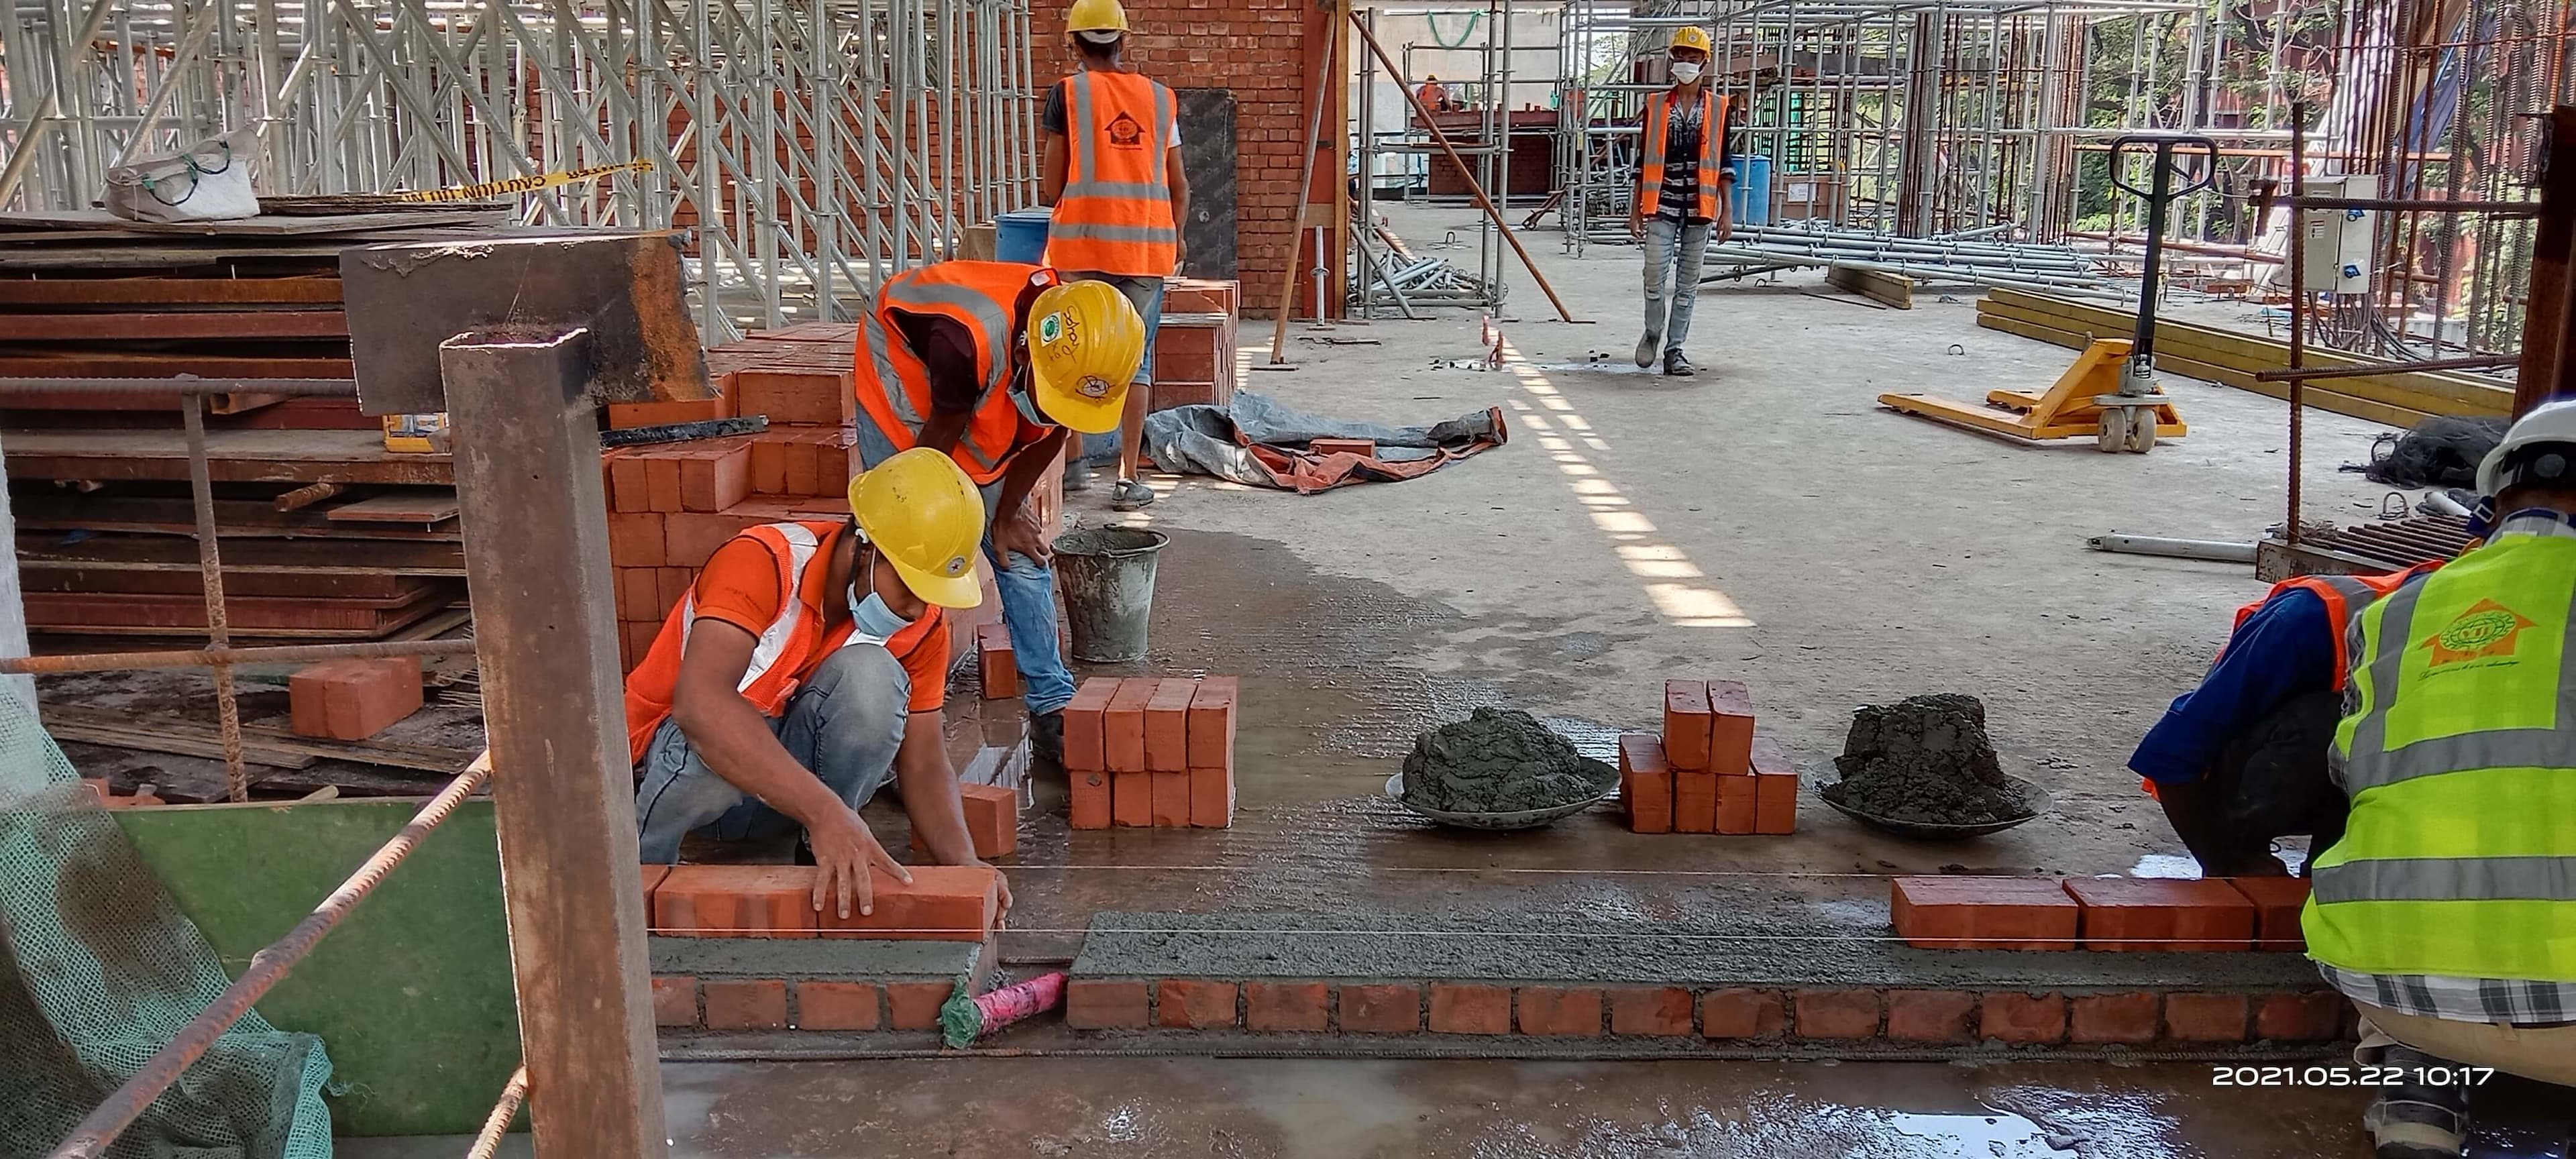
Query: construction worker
x,y
1433,95
806,667
992,363
1112,170
2240,760
2447,912
1681,197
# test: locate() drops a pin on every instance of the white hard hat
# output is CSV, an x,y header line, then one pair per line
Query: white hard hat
x,y
2551,423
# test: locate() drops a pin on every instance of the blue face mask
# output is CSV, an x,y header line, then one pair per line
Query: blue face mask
x,y
875,622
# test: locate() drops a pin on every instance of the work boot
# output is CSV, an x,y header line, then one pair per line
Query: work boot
x,y
1678,366
1046,739
1077,476
2414,1120
1130,495
1646,348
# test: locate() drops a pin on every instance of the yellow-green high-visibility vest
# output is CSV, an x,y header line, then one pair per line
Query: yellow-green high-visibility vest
x,y
2458,751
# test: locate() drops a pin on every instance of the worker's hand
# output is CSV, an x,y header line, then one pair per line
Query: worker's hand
x,y
1021,534
844,852
1636,225
1725,226
1002,887
1180,255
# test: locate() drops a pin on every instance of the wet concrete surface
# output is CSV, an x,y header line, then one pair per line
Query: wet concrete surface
x,y
1151,1108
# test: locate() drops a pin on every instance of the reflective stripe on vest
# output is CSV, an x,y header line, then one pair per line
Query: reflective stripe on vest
x,y
1115,214
2458,752
893,383
1712,128
2342,595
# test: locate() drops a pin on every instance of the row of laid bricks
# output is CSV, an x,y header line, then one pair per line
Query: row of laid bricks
x,y
2134,1018
2098,913
949,903
680,1001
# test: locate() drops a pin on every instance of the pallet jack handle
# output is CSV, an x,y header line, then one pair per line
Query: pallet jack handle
x,y
2193,158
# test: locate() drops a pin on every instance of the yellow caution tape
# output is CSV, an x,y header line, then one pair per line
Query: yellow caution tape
x,y
482,190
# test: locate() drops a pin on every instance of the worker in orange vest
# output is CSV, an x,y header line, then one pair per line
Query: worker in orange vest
x,y
1112,170
1433,95
806,668
995,364
1681,197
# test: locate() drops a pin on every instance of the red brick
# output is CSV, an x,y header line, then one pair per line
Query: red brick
x,y
1560,1012
1167,726
675,1000
1983,913
1296,1006
1737,806
661,479
1694,800
992,820
353,699
1381,1008
648,876
1687,726
1645,784
2315,1016
2132,1018
1131,800
1741,1013
637,540
746,1004
768,465
716,477
2205,1017
2278,901
1194,1004
1105,1004
837,1006
671,585
1084,727
1837,1013
995,663
1929,1015
1460,1008
737,901
2147,913
637,588
629,415
1775,791
1651,1010
915,1005
689,537
800,397
1730,741
1169,799
944,903
1123,726
626,488
1211,723
1089,807
1212,798
2022,1018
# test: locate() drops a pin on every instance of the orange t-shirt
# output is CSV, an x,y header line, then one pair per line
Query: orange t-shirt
x,y
739,586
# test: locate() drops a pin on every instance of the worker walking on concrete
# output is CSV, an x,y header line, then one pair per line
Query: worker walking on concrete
x,y
1112,170
806,667
1681,197
2448,910
992,363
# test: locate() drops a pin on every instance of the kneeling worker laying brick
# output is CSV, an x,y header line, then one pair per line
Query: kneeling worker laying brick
x,y
806,668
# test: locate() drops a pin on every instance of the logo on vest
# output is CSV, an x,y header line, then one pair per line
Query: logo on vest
x,y
2486,631
1125,133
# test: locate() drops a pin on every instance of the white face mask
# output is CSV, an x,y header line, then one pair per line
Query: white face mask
x,y
872,620
1685,71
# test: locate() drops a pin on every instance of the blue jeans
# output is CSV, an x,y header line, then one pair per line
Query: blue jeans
x,y
844,725
1146,294
1028,599
1674,251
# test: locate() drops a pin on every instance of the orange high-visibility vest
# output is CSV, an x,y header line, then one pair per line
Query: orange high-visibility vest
x,y
1659,118
2344,596
1115,215
894,385
788,648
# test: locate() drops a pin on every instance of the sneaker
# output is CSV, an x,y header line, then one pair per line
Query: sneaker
x,y
1678,366
1130,495
1077,476
2416,1121
1046,739
1646,349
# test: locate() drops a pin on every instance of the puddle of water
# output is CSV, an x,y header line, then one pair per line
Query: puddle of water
x,y
2179,866
2002,1134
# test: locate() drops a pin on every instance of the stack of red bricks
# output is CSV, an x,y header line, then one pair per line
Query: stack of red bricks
x,y
1194,346
946,903
352,699
1708,772
2099,913
1151,752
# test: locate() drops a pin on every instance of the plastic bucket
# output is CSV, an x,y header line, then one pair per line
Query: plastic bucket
x,y
1020,236
1751,199
1107,577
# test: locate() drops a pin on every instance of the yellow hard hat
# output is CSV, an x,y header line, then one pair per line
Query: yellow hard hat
x,y
926,518
1096,16
1690,36
1085,341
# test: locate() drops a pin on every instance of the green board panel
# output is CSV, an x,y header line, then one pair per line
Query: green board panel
x,y
411,994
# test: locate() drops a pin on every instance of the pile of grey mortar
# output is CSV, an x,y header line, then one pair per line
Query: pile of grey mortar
x,y
1499,761
1925,759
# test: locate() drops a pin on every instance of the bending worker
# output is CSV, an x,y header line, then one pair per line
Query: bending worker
x,y
806,667
2448,910
1112,170
1681,198
991,363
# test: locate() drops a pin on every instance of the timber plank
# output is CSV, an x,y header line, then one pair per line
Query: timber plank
x,y
300,290
423,506
243,556
233,456
200,324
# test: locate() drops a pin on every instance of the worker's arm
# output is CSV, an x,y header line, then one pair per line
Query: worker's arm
x,y
1637,195
1180,186
929,787
1015,523
2285,648
1724,227
947,352
730,735
1051,169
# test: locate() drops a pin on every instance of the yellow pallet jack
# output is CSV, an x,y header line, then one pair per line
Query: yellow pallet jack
x,y
2110,393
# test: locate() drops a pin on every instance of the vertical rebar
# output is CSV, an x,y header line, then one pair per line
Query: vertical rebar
x,y
210,566
2298,304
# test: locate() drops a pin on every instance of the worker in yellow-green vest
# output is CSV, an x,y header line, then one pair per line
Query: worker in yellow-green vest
x,y
2447,911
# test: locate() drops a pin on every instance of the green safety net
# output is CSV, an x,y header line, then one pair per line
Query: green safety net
x,y
98,970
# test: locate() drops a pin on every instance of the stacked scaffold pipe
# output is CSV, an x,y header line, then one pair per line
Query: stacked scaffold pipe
x,y
2049,269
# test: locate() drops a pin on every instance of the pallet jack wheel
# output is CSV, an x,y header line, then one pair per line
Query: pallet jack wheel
x,y
2142,430
2113,430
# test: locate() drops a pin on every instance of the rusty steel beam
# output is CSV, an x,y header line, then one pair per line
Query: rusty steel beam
x,y
210,568
2549,309
210,657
